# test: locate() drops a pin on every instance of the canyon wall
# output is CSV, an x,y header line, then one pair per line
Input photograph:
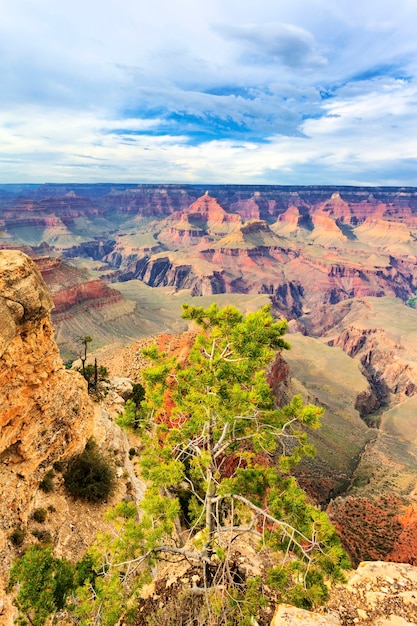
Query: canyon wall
x,y
46,414
303,246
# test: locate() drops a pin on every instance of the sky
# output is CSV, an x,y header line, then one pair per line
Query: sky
x,y
294,92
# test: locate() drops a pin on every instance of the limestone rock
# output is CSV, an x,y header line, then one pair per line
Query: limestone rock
x,y
287,615
122,386
24,297
46,414
378,592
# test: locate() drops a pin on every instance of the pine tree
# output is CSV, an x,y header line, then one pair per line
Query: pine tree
x,y
216,455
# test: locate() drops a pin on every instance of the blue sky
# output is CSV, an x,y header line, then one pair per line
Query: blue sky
x,y
226,91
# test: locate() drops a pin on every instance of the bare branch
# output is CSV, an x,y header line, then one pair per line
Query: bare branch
x,y
187,554
221,439
289,531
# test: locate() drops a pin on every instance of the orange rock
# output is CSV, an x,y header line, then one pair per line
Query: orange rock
x,y
46,414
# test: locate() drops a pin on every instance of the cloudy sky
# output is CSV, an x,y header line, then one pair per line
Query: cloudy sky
x,y
221,91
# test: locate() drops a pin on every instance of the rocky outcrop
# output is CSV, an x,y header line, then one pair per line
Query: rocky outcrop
x,y
46,417
72,290
377,593
363,328
46,414
326,231
207,211
287,615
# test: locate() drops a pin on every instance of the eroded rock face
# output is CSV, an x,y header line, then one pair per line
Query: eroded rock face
x,y
22,298
378,593
46,414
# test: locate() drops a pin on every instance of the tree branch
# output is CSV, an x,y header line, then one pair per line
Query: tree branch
x,y
287,529
187,554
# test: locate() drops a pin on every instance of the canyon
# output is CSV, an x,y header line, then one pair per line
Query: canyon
x,y
340,263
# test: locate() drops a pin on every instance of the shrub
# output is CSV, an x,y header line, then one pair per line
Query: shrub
x,y
58,466
17,536
39,515
46,483
42,535
44,583
138,394
129,419
90,475
85,572
95,375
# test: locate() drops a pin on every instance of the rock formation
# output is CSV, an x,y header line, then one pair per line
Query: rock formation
x,y
332,244
46,414
377,593
46,417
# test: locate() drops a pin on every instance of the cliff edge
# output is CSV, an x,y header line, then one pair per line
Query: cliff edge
x,y
46,414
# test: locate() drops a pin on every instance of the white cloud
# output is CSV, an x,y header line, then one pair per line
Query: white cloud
x,y
285,44
121,90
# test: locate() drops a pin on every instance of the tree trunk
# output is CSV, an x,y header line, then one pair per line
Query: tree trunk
x,y
210,497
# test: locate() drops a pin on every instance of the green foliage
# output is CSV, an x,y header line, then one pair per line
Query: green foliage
x,y
39,515
46,483
125,510
17,536
59,466
95,375
85,572
90,372
43,583
106,601
133,415
42,535
138,394
90,475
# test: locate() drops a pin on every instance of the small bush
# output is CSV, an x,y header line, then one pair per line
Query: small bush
x,y
95,377
44,583
17,536
39,515
138,394
90,475
58,466
46,483
42,535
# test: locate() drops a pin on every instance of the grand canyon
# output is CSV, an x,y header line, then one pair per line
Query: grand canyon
x,y
339,263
